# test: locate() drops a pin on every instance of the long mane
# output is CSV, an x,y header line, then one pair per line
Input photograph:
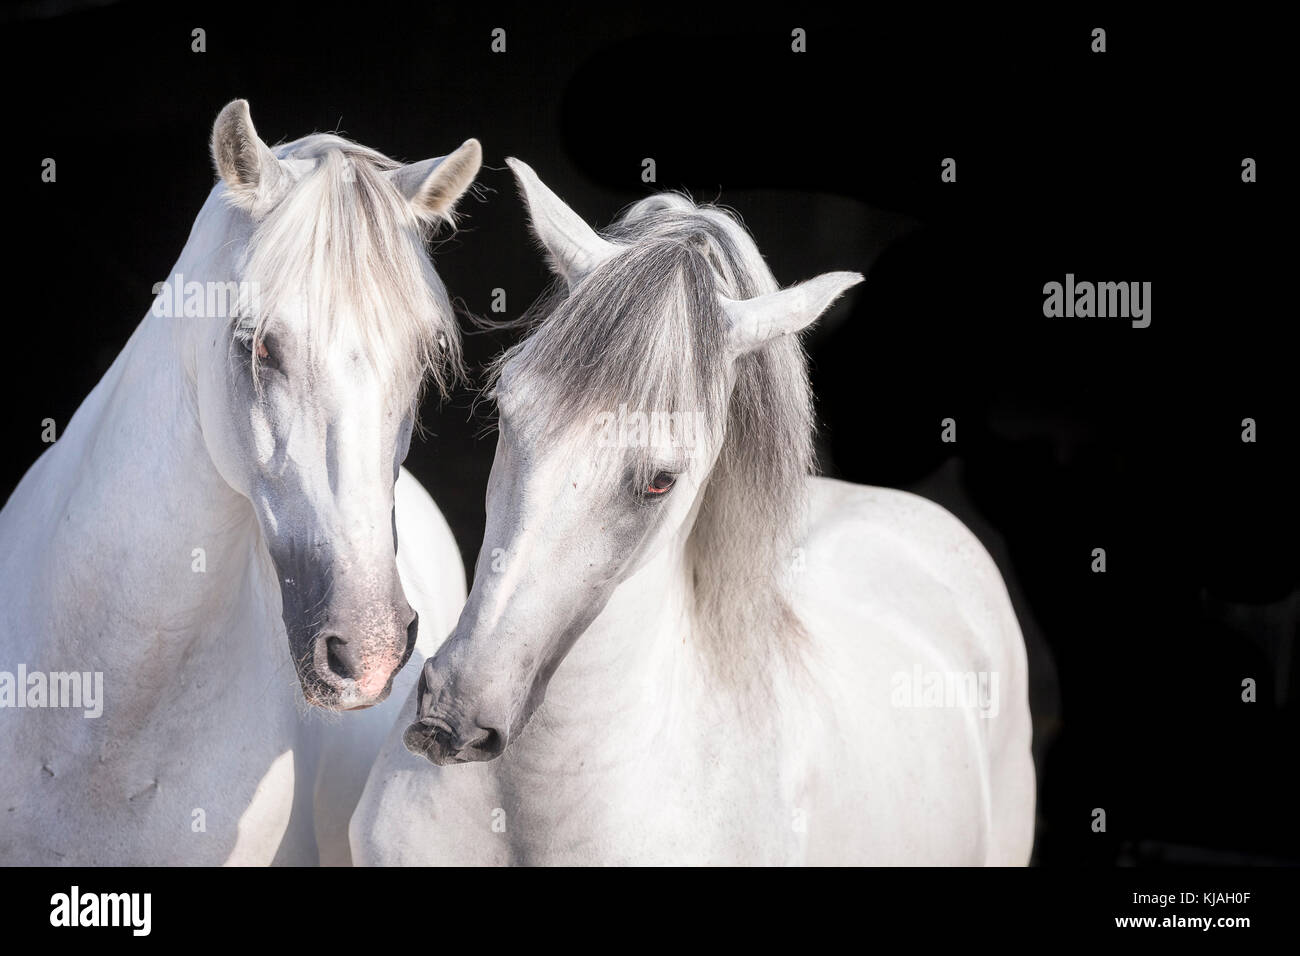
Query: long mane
x,y
646,329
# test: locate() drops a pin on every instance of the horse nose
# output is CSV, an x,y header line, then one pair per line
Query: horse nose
x,y
438,742
336,663
348,669
346,675
341,662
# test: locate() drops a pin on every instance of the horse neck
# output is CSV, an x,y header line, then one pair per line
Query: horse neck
x,y
637,707
637,662
634,639
133,494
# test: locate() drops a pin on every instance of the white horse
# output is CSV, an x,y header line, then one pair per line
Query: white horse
x,y
679,648
223,512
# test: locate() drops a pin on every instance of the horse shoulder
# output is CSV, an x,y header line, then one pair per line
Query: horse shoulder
x,y
869,542
895,582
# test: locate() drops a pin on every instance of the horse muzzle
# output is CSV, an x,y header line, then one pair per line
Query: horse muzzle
x,y
435,740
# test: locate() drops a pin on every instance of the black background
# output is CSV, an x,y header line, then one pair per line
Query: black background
x,y
1123,166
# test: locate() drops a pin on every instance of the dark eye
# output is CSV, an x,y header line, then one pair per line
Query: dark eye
x,y
660,484
259,348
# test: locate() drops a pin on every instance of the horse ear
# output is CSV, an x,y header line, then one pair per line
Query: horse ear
x,y
245,164
752,322
572,246
433,186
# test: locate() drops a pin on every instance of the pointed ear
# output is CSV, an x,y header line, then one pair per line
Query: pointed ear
x,y
572,246
245,164
434,186
753,322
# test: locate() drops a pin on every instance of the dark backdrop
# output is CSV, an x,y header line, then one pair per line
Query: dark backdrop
x,y
1071,434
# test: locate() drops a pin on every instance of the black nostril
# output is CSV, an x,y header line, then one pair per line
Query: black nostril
x,y
421,689
488,742
412,632
434,739
334,657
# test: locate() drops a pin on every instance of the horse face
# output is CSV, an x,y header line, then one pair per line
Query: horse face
x,y
570,518
567,522
307,398
316,443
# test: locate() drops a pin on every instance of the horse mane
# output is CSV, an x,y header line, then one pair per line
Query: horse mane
x,y
646,329
344,242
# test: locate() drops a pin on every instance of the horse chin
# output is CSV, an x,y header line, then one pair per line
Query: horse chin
x,y
348,698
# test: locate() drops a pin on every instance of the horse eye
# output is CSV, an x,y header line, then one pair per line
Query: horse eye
x,y
258,347
660,484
